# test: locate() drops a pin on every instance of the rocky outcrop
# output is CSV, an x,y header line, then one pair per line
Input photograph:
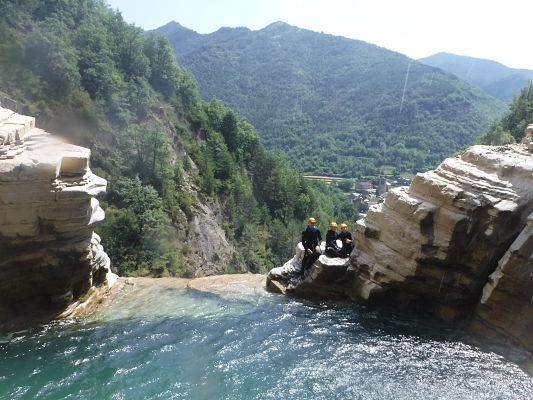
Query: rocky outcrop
x,y
323,280
50,256
432,246
506,305
200,231
457,244
213,253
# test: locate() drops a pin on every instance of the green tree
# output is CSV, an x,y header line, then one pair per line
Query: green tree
x,y
151,152
511,126
51,56
229,130
520,113
220,156
137,232
346,185
164,76
143,201
496,136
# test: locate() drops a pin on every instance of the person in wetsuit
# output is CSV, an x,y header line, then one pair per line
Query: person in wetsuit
x,y
347,241
311,239
332,250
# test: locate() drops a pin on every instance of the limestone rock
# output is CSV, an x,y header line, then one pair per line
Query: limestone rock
x,y
506,306
291,270
209,242
432,246
243,284
456,244
323,280
50,253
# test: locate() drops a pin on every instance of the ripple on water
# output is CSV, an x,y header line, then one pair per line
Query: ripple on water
x,y
187,345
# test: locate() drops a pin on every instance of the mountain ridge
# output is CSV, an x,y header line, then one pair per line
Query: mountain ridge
x,y
334,105
495,78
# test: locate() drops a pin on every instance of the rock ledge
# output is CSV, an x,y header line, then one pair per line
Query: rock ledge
x,y
51,256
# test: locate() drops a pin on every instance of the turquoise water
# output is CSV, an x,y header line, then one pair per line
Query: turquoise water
x,y
185,344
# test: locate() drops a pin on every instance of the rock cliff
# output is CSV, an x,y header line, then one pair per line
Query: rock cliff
x,y
506,305
432,246
50,256
457,244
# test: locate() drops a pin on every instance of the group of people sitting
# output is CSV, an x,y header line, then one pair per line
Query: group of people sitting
x,y
311,238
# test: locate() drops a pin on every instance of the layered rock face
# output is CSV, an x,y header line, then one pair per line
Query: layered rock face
x,y
457,244
50,255
432,246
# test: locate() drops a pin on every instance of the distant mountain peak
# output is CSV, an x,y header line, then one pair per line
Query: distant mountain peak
x,y
278,25
493,77
172,23
174,27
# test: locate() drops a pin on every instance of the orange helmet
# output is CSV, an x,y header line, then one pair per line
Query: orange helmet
x,y
333,225
344,226
311,219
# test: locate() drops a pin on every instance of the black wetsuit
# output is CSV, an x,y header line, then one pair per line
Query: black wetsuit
x,y
310,239
332,250
346,247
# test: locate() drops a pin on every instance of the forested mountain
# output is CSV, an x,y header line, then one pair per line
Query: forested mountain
x,y
511,127
178,167
494,78
335,106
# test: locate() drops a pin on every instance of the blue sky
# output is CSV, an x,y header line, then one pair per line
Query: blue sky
x,y
493,29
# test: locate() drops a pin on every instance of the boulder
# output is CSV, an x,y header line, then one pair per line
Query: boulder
x,y
324,279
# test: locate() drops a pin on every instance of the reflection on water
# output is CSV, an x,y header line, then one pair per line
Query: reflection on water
x,y
168,343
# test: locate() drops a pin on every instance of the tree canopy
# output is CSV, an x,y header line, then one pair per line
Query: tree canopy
x,y
333,105
88,75
510,128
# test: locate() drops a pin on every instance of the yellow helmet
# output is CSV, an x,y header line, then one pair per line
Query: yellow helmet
x,y
333,225
344,226
311,219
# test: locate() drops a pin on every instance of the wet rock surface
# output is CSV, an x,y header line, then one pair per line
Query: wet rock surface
x,y
140,290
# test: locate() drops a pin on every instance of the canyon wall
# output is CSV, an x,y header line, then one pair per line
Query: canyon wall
x,y
50,255
456,243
